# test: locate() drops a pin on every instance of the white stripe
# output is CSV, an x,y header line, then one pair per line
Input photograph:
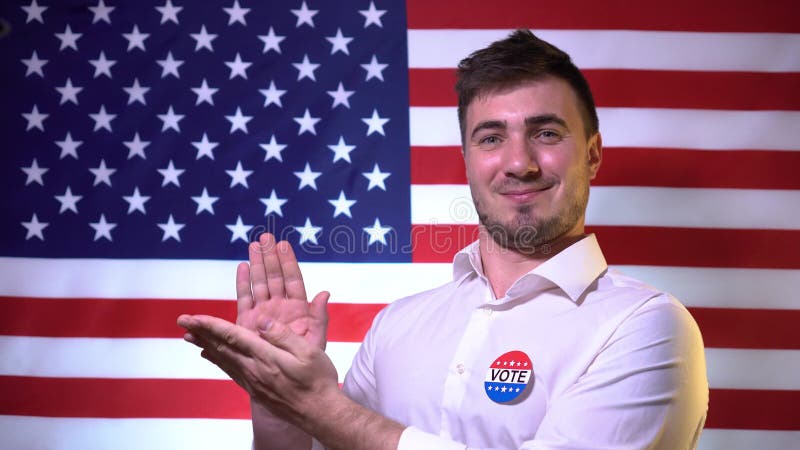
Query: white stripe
x,y
707,287
173,358
636,206
717,439
647,128
368,283
51,433
56,433
124,358
616,49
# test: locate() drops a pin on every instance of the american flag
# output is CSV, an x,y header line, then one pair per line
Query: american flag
x,y
145,143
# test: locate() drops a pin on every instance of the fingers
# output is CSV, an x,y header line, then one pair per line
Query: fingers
x,y
258,274
272,266
221,336
283,338
292,277
244,295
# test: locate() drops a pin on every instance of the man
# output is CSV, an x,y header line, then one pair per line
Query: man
x,y
534,344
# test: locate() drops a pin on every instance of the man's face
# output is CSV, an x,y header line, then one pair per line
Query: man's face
x,y
529,163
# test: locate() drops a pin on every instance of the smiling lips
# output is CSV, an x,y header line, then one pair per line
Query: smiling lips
x,y
524,194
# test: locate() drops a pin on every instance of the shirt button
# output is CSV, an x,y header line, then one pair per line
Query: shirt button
x,y
487,311
460,369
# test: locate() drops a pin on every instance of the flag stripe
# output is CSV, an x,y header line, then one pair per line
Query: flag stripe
x,y
168,398
155,318
648,128
775,16
622,49
647,246
706,287
717,439
637,206
743,169
647,89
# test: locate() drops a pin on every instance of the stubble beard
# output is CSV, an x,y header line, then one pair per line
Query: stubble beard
x,y
528,233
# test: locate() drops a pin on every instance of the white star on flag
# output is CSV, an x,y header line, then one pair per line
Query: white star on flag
x,y
376,178
136,146
101,12
204,93
308,232
305,69
273,149
102,66
307,123
375,123
102,174
136,38
34,12
171,229
377,232
273,204
339,42
136,201
239,121
169,65
136,92
342,205
205,147
102,119
69,93
340,96
102,228
372,16
171,174
69,201
36,119
305,15
34,65
238,67
271,41
68,39
239,175
205,202
203,39
272,94
374,69
68,147
34,228
239,230
341,150
170,120
169,12
307,178
236,13
34,173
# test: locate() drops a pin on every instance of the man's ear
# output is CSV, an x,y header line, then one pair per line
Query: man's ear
x,y
594,153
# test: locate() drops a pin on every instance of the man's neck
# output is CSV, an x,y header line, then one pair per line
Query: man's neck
x,y
503,266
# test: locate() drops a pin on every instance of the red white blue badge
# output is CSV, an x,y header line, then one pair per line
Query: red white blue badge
x,y
508,377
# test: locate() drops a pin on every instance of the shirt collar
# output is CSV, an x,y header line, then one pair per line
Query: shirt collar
x,y
573,269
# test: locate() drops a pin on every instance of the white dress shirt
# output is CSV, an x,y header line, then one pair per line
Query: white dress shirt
x,y
615,363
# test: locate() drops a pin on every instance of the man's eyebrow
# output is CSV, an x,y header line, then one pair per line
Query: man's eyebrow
x,y
545,119
488,125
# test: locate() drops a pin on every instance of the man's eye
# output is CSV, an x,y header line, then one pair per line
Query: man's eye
x,y
490,140
548,136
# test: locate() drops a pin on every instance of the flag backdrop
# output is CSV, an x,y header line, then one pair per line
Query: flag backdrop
x,y
145,143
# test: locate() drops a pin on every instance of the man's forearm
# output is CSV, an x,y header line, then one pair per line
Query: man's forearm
x,y
273,433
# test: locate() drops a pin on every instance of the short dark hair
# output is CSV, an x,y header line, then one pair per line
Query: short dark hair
x,y
514,60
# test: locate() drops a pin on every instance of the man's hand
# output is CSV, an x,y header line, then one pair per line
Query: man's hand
x,y
271,288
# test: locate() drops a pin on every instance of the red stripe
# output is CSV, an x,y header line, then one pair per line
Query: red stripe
x,y
681,168
749,328
753,409
647,89
689,247
98,318
222,399
146,318
676,15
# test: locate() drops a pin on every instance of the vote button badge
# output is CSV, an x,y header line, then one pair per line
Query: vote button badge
x,y
508,377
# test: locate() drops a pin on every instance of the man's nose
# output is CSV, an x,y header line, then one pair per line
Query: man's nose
x,y
521,159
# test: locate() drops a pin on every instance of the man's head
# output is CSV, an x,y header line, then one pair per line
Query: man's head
x,y
512,61
530,141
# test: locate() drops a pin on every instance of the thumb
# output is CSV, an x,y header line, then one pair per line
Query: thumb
x,y
279,335
319,307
